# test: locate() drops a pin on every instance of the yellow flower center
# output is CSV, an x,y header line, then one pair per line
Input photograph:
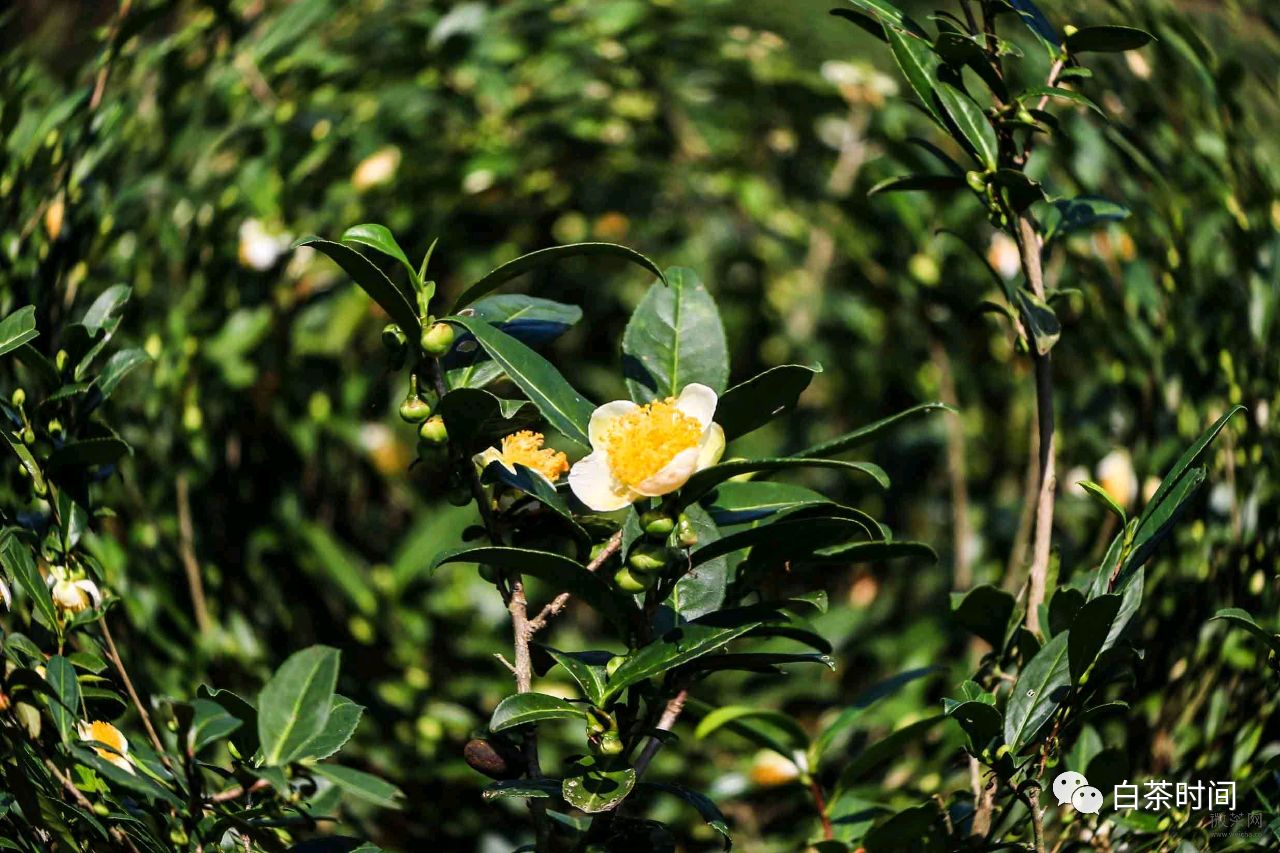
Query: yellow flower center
x,y
525,448
105,733
641,443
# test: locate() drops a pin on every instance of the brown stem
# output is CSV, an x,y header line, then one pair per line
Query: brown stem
x,y
83,801
1031,796
237,793
820,804
100,84
665,723
1026,517
186,546
1029,244
984,797
114,654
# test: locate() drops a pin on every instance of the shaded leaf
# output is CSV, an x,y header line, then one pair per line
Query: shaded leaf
x,y
524,708
750,405
372,280
533,260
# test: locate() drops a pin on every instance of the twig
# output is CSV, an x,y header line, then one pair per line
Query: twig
x,y
560,601
100,83
984,800
1029,245
1026,517
665,723
237,793
186,547
1030,793
114,654
500,656
820,804
116,832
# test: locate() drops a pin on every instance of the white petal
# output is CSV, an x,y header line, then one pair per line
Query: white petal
x,y
91,588
698,402
488,456
605,415
712,447
4,593
672,476
593,482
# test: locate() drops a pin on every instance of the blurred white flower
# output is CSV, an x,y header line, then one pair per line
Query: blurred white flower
x,y
1074,477
1117,477
376,169
1003,255
260,249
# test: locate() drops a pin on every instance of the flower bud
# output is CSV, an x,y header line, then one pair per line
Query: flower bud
x,y
437,339
433,431
686,534
607,744
977,181
19,397
627,581
646,558
414,409
28,436
657,523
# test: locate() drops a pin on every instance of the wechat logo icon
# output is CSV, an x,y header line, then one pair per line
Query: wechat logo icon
x,y
1072,789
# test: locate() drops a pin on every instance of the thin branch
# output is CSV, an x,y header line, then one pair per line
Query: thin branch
x,y
1030,793
186,547
237,793
558,603
820,804
83,801
665,723
100,84
114,654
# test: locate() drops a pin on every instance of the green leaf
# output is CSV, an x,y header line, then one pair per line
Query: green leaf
x,y
1019,190
1185,461
1108,39
28,462
1238,617
702,589
564,408
867,22
246,736
738,503
707,809
477,419
373,281
361,785
117,367
344,716
522,788
1037,23
210,723
864,700
529,319
881,9
1041,322
530,482
1037,92
866,552
1103,497
590,677
673,339
106,309
848,440
139,783
708,478
793,734
919,183
522,709
972,123
18,328
1089,632
750,405
533,260
593,788
89,453
919,65
64,705
1154,525
1075,214
984,611
557,570
919,828
882,750
21,566
677,647
1041,686
793,539
293,707
380,238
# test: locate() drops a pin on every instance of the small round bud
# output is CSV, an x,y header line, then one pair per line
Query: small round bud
x,y
1069,30
55,426
1025,116
60,360
608,744
437,339
657,523
977,180
28,436
646,557
101,809
686,533
414,409
433,431
19,397
627,581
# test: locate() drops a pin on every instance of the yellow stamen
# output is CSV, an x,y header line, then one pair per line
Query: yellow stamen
x,y
525,448
641,443
107,734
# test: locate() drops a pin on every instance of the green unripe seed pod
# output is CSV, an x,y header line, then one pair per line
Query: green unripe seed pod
x,y
977,181
414,409
433,431
686,533
657,523
101,809
437,339
1025,116
60,360
394,338
627,581
28,436
614,662
178,836
646,558
19,397
608,744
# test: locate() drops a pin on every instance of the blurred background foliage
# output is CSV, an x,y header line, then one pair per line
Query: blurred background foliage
x,y
181,147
